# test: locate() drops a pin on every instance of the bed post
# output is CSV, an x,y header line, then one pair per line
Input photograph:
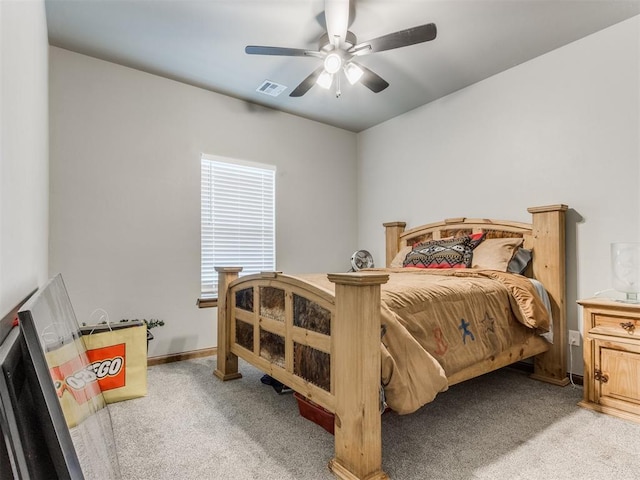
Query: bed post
x,y
356,359
549,251
227,362
393,230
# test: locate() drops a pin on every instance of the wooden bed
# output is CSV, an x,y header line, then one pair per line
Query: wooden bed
x,y
271,320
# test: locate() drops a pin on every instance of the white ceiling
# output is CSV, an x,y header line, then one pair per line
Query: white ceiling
x,y
202,43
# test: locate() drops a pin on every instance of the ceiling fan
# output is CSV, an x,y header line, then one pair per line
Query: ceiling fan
x,y
339,49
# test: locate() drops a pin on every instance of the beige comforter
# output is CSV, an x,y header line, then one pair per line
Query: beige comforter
x,y
438,322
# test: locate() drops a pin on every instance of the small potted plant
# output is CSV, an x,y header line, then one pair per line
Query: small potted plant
x,y
152,323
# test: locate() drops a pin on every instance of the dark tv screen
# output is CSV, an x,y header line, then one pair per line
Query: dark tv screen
x,y
66,396
26,453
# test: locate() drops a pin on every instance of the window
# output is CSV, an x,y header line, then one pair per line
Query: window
x,y
237,218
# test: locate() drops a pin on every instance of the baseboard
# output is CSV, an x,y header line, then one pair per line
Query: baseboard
x,y
577,379
207,352
527,367
177,357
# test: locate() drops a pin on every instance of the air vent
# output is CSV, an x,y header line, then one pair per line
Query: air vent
x,y
270,88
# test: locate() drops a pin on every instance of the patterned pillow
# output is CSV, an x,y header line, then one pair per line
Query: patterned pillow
x,y
476,239
448,253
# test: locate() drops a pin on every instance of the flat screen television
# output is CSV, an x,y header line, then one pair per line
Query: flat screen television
x,y
26,452
55,419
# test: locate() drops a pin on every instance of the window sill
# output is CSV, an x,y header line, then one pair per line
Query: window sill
x,y
207,302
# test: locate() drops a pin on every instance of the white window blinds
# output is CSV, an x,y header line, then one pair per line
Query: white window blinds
x,y
237,218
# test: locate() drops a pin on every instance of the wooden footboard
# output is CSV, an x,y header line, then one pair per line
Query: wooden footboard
x,y
290,329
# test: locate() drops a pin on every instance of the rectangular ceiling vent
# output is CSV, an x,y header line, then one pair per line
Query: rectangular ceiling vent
x,y
271,88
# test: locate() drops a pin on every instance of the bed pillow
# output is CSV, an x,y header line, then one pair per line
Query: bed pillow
x,y
477,239
495,253
447,253
398,260
520,261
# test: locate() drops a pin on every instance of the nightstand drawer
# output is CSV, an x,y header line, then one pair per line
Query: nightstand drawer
x,y
624,325
624,333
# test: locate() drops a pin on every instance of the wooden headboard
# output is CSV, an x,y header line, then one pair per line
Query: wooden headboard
x,y
545,236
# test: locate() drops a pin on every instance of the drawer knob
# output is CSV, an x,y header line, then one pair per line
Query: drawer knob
x,y
601,377
629,327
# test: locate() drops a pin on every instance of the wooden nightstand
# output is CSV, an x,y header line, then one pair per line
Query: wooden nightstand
x,y
611,357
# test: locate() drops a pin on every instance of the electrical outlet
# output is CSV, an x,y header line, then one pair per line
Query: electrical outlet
x,y
574,338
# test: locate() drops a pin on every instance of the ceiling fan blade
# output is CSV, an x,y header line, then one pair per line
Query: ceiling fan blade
x,y
372,80
402,38
307,83
336,15
288,52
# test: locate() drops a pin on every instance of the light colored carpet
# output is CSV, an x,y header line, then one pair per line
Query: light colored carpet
x,y
503,425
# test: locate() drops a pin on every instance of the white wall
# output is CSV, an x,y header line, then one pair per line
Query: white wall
x,y
125,191
562,128
23,150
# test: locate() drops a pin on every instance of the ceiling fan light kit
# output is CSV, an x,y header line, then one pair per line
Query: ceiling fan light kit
x,y
353,73
332,63
338,48
325,79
